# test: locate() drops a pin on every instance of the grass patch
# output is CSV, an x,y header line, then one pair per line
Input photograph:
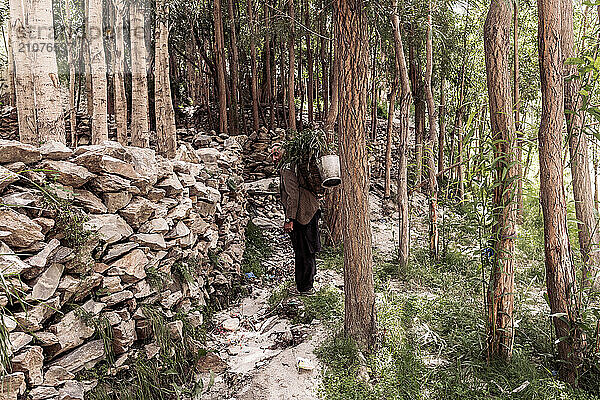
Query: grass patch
x,y
257,249
332,257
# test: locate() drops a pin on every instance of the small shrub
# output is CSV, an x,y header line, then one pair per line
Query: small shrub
x,y
257,249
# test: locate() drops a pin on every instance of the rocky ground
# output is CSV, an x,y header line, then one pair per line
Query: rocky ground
x,y
256,351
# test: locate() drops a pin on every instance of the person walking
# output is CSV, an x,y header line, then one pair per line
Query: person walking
x,y
302,213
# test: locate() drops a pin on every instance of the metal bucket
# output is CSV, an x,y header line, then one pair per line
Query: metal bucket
x,y
329,168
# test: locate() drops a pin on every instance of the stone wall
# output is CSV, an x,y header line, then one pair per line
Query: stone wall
x,y
256,153
100,233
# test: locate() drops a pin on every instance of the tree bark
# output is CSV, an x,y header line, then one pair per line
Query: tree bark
x,y
140,127
431,172
292,69
405,100
98,70
234,68
166,134
442,134
578,148
390,131
310,87
374,97
268,68
501,289
254,67
119,74
24,84
359,317
70,60
560,272
517,107
417,91
220,64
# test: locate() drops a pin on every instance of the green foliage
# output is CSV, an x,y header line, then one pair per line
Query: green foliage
x,y
306,145
102,330
187,269
324,305
332,258
257,250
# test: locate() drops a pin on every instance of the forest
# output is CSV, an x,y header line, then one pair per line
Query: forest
x,y
149,248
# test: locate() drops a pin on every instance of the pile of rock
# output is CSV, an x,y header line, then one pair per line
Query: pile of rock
x,y
8,123
99,233
256,153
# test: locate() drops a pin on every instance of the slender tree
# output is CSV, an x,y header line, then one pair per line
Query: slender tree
x,y
404,101
220,65
560,272
98,69
501,289
166,133
254,67
234,69
71,62
588,230
119,74
352,53
292,68
390,129
140,127
430,146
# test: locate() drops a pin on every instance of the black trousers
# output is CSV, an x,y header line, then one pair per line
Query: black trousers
x,y
306,243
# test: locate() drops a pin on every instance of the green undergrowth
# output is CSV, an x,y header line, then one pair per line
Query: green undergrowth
x,y
325,305
431,321
257,250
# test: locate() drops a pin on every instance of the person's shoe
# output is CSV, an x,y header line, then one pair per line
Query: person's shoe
x,y
308,292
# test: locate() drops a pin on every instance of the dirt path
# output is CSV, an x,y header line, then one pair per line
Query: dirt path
x,y
255,351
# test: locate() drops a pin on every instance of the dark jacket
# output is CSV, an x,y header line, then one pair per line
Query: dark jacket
x,y
299,203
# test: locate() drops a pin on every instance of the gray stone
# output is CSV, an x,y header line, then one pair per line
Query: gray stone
x,y
156,225
12,385
110,183
23,231
21,199
56,376
42,393
72,330
7,177
155,241
144,162
116,200
72,390
205,193
18,340
117,298
67,173
208,155
138,211
30,361
171,185
46,339
33,319
118,250
47,283
131,267
111,228
89,201
112,284
10,264
54,150
179,231
14,151
124,336
99,163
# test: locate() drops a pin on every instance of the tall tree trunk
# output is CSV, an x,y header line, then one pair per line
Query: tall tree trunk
x,y
442,134
352,53
431,171
332,112
310,87
460,111
254,67
98,68
166,134
86,60
405,100
269,71
119,75
10,68
140,126
292,69
501,289
578,148
374,94
235,68
517,106
417,91
220,64
24,85
70,60
560,272
390,131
